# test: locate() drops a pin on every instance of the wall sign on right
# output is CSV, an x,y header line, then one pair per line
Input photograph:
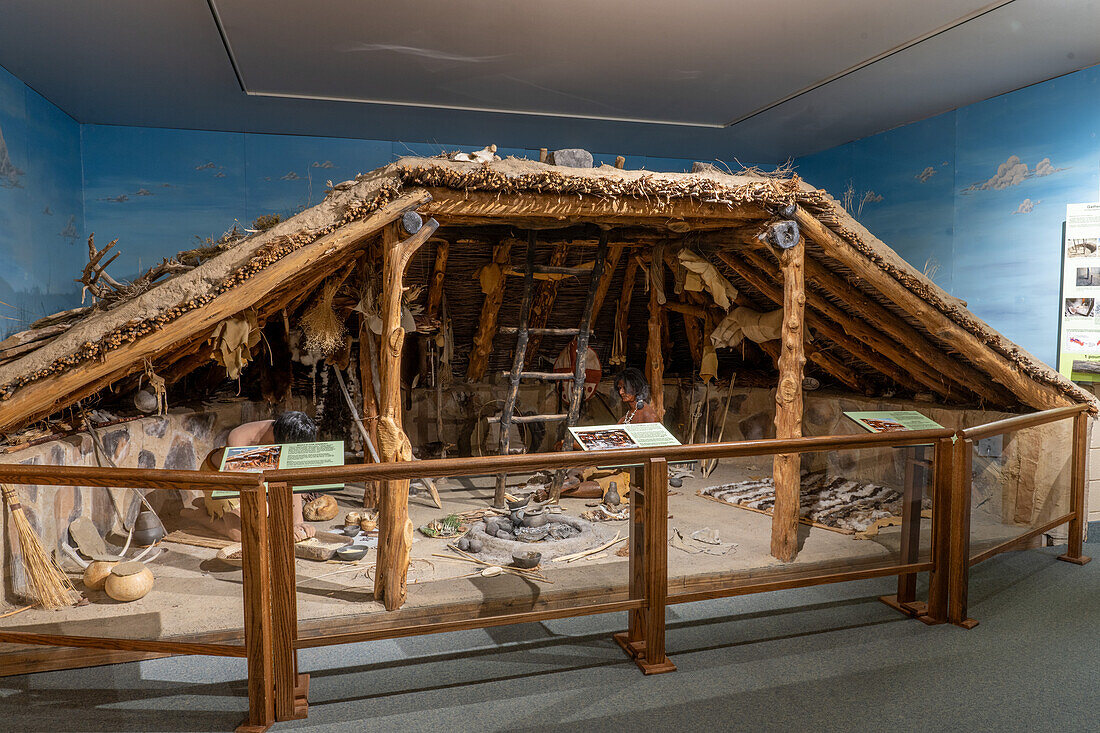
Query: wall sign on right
x,y
1079,306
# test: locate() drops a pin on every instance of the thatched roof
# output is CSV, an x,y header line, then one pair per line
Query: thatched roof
x,y
865,304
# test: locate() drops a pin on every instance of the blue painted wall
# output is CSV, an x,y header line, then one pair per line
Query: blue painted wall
x,y
156,190
41,207
978,196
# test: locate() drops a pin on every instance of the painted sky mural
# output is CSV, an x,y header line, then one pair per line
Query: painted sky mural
x,y
41,206
977,197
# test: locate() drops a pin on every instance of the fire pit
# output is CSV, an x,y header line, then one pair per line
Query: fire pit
x,y
535,529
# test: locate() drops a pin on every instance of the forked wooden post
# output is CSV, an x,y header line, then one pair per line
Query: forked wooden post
x,y
1077,491
291,702
256,587
394,528
942,473
633,639
788,403
652,660
959,564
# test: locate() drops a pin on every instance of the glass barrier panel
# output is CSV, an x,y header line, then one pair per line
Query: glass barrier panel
x,y
1020,481
185,593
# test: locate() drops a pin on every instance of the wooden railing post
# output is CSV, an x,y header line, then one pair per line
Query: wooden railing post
x,y
1080,444
256,586
654,660
959,561
912,497
942,471
291,688
633,639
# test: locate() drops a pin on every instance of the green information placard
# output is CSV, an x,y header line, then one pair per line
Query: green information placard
x,y
628,435
891,421
255,458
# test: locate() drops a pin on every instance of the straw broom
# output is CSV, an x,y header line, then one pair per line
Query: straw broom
x,y
50,586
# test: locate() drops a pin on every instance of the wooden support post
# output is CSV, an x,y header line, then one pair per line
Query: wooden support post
x,y
905,601
958,576
942,475
370,403
256,588
655,660
633,639
487,323
543,305
614,253
439,271
788,405
1080,445
622,313
395,531
284,607
654,356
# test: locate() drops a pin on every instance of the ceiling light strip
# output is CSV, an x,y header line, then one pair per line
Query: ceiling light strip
x,y
494,110
225,42
974,15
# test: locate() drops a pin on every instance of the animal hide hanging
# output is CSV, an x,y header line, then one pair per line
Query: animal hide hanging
x,y
233,340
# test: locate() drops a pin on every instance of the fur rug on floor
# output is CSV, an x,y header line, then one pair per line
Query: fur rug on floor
x,y
834,502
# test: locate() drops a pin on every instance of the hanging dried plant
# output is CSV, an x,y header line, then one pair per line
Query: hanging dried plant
x,y
323,330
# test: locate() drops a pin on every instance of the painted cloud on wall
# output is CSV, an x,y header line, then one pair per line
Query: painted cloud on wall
x,y
291,176
1026,206
925,174
1013,172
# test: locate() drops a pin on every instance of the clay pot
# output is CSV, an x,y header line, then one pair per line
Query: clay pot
x,y
369,523
351,530
147,529
95,575
321,509
536,519
518,503
129,581
353,518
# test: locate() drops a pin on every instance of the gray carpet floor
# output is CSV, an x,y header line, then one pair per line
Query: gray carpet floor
x,y
821,659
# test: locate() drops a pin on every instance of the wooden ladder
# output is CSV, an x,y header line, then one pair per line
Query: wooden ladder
x,y
507,415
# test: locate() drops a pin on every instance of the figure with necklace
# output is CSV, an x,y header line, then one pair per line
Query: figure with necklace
x,y
633,390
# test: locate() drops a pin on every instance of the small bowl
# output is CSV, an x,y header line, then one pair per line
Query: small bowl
x,y
351,529
526,560
351,553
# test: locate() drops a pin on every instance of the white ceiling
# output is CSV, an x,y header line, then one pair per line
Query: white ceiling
x,y
692,78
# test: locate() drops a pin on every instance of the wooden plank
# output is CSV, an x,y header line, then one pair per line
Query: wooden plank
x,y
156,647
788,404
487,323
939,325
46,396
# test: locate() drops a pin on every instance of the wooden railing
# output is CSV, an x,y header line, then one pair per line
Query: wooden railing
x,y
278,692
